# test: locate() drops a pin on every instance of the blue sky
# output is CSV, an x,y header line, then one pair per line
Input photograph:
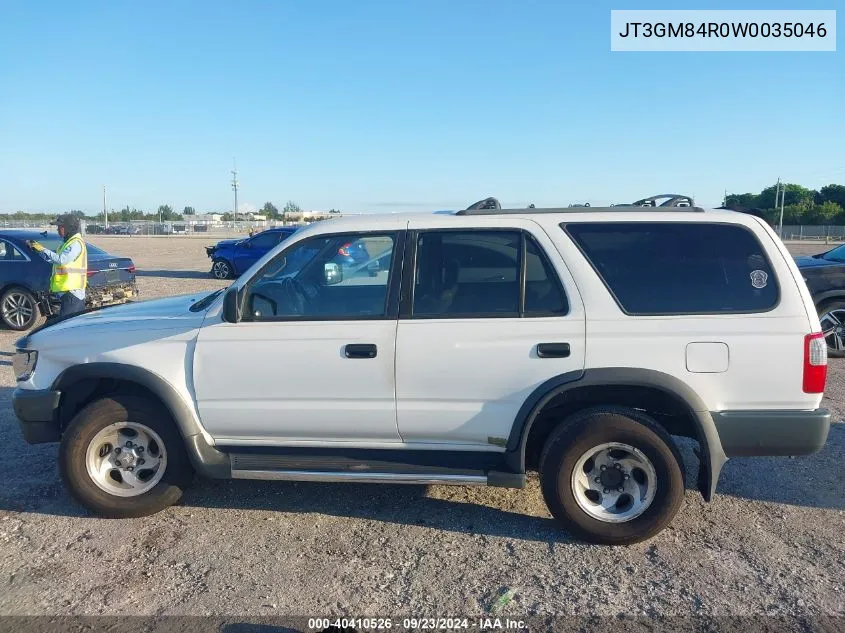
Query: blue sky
x,y
393,105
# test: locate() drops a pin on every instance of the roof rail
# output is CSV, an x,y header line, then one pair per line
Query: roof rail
x,y
617,209
674,202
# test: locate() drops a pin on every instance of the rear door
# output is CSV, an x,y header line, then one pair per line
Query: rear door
x,y
488,314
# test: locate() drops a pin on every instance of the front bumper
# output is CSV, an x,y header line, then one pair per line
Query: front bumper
x,y
35,410
758,433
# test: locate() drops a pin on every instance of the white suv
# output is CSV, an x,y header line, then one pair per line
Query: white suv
x,y
467,348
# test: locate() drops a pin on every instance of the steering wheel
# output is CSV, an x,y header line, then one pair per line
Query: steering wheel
x,y
295,295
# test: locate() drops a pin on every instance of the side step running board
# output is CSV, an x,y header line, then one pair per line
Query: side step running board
x,y
362,477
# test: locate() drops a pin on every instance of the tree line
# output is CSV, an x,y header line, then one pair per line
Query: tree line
x,y
164,213
800,205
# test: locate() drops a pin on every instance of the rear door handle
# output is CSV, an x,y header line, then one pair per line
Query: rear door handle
x,y
553,350
360,350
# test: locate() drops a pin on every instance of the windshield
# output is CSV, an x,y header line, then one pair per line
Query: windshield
x,y
836,255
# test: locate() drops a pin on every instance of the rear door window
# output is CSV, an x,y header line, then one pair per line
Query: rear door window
x,y
657,268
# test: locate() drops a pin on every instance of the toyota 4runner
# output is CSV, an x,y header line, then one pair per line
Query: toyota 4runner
x,y
469,348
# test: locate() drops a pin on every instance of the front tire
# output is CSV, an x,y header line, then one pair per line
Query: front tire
x,y
832,318
611,475
221,269
18,308
123,457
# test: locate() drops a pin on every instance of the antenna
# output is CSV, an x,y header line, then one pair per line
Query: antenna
x,y
235,186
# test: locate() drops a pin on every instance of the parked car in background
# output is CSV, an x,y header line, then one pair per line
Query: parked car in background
x,y
230,258
25,278
825,277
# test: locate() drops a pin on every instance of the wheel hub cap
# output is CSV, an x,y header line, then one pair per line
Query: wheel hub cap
x,y
126,459
614,482
611,478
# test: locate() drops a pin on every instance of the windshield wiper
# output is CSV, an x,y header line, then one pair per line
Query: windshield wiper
x,y
203,303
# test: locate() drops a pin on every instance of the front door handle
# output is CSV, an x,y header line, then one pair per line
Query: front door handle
x,y
553,350
360,350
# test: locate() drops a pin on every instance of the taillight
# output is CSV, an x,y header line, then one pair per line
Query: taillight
x,y
815,363
131,269
91,273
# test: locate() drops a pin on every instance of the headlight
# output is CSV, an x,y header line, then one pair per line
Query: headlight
x,y
23,363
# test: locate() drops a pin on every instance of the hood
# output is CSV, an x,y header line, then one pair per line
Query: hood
x,y
152,314
805,261
227,243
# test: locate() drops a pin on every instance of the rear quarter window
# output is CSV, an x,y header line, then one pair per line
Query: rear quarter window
x,y
660,268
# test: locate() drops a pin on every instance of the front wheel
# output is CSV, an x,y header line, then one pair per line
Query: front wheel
x,y
612,475
122,457
832,318
221,269
18,308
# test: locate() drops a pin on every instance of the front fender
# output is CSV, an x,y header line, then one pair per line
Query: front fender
x,y
206,459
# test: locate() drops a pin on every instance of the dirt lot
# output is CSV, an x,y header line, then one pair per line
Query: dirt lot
x,y
770,543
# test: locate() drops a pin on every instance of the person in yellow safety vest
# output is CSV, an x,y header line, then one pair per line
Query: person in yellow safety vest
x,y
70,265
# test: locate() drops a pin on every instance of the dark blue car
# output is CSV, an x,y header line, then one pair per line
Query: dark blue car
x,y
230,258
25,278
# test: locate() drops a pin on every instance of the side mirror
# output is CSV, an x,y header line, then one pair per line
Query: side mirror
x,y
332,274
231,306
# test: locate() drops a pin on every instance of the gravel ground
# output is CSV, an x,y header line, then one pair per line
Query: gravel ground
x,y
771,543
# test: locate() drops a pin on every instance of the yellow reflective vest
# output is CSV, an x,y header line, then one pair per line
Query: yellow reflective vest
x,y
73,275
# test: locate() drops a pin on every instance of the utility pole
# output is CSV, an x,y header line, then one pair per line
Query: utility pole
x,y
105,212
235,186
780,224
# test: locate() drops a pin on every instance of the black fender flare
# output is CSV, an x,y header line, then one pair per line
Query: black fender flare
x,y
712,455
206,459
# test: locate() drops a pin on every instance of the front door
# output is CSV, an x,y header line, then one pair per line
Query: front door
x,y
253,249
314,358
493,314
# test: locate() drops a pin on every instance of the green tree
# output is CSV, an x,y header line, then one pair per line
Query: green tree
x,y
334,210
292,207
270,211
832,193
794,195
165,212
189,211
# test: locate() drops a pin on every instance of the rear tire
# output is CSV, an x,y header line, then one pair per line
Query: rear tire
x,y
221,269
580,479
18,308
832,317
109,478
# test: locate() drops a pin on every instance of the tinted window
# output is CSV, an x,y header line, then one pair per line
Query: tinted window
x,y
543,292
326,277
680,268
265,240
8,252
477,273
467,273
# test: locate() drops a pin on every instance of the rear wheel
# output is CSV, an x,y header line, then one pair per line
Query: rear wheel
x,y
832,317
18,308
612,475
221,269
123,457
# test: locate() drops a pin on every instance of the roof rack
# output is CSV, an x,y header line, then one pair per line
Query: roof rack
x,y
675,202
